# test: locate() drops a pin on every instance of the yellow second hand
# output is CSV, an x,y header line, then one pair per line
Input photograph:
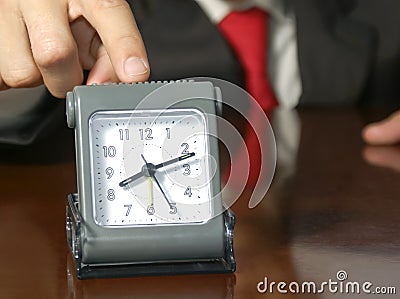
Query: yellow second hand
x,y
150,189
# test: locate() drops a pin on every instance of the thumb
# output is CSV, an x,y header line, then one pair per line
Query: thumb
x,y
385,132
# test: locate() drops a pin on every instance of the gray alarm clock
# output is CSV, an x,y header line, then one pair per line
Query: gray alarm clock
x,y
149,199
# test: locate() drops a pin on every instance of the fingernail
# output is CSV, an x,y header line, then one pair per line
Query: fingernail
x,y
134,66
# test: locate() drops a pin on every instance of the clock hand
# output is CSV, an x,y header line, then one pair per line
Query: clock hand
x,y
151,172
150,190
162,191
174,160
132,178
163,164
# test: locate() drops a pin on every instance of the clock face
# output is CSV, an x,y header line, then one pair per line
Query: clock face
x,y
150,167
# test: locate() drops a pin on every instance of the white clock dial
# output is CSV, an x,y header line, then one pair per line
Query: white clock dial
x,y
150,167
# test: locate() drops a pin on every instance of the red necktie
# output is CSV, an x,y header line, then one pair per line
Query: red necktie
x,y
246,32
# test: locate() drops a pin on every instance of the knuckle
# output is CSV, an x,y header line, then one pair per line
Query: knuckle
x,y
20,75
49,53
129,41
111,4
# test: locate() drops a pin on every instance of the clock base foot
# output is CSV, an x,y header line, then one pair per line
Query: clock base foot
x,y
225,264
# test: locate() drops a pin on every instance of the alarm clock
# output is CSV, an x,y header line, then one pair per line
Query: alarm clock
x,y
148,198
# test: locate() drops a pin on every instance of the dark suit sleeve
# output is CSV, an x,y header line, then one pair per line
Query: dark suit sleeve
x,y
335,52
181,42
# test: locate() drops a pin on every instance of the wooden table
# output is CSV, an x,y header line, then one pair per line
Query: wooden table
x,y
335,212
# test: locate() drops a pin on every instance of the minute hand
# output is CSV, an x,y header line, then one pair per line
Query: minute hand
x,y
163,164
174,160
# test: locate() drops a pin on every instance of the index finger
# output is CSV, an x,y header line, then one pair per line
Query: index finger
x,y
115,24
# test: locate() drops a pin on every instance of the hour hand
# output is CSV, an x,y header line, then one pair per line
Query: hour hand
x,y
131,179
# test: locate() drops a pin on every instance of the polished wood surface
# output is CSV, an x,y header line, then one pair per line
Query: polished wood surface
x,y
337,210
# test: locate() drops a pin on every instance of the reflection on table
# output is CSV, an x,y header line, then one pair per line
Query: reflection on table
x,y
331,210
185,286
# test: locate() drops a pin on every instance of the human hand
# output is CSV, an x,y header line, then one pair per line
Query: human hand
x,y
385,132
383,156
53,41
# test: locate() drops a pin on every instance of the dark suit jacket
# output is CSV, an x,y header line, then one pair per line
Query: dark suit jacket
x,y
349,50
